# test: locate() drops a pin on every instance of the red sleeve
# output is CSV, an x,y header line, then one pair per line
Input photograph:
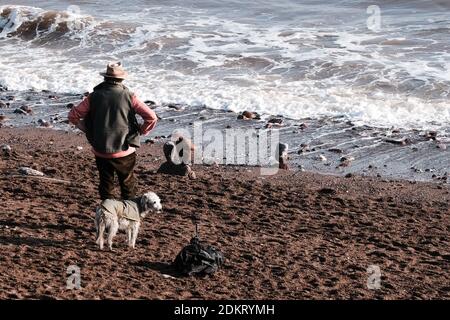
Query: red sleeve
x,y
79,112
146,113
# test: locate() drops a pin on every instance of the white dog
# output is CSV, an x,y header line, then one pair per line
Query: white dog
x,y
114,215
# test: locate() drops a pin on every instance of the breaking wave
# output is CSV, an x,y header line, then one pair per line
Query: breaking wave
x,y
400,76
30,23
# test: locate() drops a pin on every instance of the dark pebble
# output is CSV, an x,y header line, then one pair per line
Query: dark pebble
x,y
431,135
49,171
336,150
401,142
247,115
43,123
278,121
175,106
303,126
248,257
19,111
327,191
303,148
27,109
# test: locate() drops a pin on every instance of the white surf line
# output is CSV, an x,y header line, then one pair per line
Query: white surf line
x,y
328,133
215,118
330,144
363,147
42,104
394,154
61,112
318,151
423,162
36,106
366,147
181,116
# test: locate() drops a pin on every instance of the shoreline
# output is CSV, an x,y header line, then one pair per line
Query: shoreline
x,y
334,146
294,235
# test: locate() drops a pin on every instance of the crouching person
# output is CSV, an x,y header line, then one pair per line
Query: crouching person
x,y
178,163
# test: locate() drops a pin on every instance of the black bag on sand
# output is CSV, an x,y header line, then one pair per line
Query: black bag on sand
x,y
198,259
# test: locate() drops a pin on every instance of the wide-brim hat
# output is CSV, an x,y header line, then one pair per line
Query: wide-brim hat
x,y
115,70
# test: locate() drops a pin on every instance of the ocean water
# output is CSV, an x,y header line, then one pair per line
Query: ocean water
x,y
299,59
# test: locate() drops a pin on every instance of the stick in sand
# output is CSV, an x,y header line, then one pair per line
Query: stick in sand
x,y
44,178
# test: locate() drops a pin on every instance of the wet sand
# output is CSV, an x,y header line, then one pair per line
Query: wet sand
x,y
294,235
315,145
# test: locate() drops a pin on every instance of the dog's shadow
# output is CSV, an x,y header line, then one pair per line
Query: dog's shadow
x,y
31,241
163,268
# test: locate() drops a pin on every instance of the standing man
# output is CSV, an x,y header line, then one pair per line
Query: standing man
x,y
107,116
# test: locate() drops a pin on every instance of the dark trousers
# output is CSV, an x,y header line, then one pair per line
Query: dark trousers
x,y
123,167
